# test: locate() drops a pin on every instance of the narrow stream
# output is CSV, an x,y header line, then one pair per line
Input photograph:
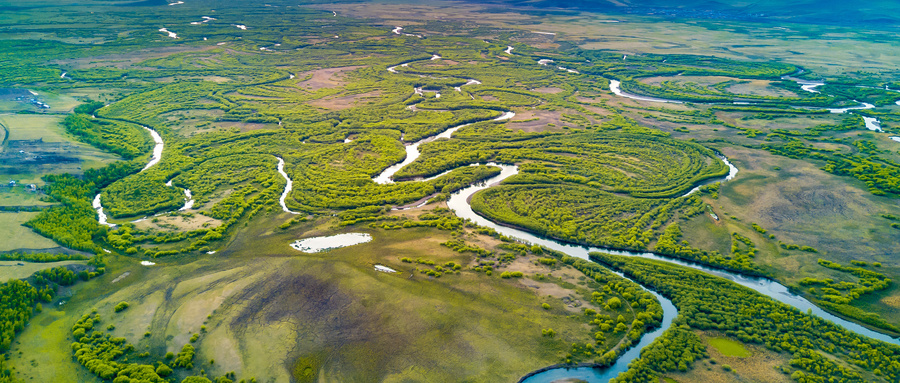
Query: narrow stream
x,y
614,87
154,159
157,149
287,187
412,152
871,123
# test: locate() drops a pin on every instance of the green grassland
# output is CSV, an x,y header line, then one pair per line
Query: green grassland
x,y
16,236
729,347
75,156
21,270
314,89
22,196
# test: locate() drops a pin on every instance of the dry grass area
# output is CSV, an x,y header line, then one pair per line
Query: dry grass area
x,y
700,80
537,120
129,60
15,236
572,301
548,89
742,86
442,63
892,300
759,88
244,127
762,366
325,78
796,201
178,222
346,102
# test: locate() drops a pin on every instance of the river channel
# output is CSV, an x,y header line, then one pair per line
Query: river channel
x,y
459,203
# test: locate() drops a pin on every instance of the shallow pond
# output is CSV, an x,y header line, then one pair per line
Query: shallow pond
x,y
319,244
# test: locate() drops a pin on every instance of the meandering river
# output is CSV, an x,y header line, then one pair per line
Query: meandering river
x,y
872,123
459,203
155,157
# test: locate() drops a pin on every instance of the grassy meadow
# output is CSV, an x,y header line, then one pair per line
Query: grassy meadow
x,y
15,236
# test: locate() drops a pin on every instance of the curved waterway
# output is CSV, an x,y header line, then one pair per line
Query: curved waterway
x,y
459,203
614,87
157,148
154,159
871,122
412,152
591,374
287,187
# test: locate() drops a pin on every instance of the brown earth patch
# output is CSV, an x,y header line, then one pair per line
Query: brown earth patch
x,y
345,102
245,126
178,222
325,78
548,89
537,120
892,301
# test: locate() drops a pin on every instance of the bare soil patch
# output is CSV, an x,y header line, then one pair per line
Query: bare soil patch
x,y
178,222
345,102
892,301
548,89
325,78
537,120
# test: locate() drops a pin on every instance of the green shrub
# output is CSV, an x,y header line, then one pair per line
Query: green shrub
x,y
121,306
163,370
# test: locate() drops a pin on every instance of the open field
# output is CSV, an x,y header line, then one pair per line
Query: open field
x,y
38,145
15,236
21,270
828,50
729,348
21,195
